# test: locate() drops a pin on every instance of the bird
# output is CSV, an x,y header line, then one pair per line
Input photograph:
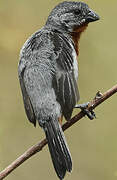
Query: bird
x,y
48,74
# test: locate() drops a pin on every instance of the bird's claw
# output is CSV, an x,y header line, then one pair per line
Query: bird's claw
x,y
84,107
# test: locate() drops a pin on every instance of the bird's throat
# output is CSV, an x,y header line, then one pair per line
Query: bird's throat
x,y
76,36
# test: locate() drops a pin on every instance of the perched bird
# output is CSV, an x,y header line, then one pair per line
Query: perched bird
x,y
48,74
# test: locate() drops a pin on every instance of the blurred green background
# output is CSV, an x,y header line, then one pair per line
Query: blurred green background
x,y
93,144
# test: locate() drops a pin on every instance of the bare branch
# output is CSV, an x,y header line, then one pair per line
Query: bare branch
x,y
99,98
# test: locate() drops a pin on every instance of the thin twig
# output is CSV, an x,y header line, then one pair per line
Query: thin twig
x,y
99,98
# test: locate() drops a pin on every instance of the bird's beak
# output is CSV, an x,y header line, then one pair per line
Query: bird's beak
x,y
92,16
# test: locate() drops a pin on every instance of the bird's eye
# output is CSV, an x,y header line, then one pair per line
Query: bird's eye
x,y
77,12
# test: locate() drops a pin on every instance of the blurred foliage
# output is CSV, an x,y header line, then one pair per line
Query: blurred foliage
x,y
93,144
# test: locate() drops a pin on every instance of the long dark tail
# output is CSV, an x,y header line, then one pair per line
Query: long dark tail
x,y
58,148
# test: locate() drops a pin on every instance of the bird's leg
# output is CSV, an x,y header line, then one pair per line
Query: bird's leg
x,y
84,107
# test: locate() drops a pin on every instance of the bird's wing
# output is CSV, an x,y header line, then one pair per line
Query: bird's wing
x,y
65,84
25,56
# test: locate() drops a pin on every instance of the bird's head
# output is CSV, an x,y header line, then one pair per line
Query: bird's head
x,y
69,16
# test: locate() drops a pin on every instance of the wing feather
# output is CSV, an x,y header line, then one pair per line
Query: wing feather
x,y
27,102
67,92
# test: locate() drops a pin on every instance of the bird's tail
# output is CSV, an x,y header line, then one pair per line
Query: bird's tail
x,y
58,148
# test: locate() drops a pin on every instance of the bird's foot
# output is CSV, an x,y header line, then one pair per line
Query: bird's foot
x,y
84,107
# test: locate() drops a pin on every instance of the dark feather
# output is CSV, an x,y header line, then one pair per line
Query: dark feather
x,y
66,85
58,148
27,102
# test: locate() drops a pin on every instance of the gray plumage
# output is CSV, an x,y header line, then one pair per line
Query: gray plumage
x,y
48,77
47,58
49,86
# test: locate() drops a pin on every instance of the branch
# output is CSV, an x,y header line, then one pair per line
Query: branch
x,y
99,98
